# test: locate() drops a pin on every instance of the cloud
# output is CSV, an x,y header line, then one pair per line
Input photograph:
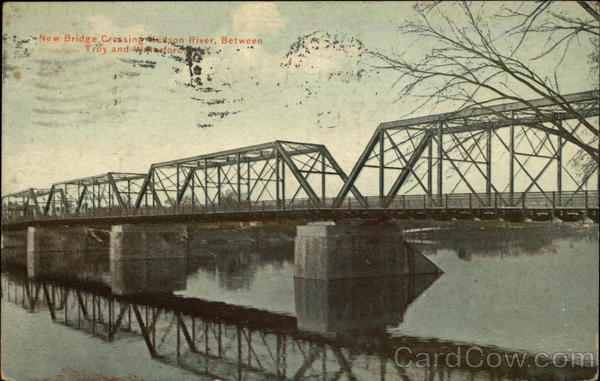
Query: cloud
x,y
257,17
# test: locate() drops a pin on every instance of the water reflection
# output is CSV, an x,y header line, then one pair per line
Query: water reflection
x,y
217,340
243,315
356,306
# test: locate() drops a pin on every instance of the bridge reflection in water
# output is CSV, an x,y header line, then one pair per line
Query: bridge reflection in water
x,y
228,342
338,331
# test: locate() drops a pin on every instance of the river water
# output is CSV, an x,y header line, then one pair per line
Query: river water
x,y
504,290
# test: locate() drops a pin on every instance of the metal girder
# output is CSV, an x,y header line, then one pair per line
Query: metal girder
x,y
25,202
117,192
258,170
514,129
230,156
102,191
458,138
301,179
81,197
356,170
343,175
505,110
408,169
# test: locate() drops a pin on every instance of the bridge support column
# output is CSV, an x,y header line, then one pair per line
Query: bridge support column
x,y
34,251
330,251
148,258
66,252
14,248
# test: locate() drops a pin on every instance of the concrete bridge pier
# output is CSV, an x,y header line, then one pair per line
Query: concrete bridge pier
x,y
328,251
64,252
148,258
14,247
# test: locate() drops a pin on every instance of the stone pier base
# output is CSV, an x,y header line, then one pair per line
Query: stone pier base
x,y
148,258
14,249
329,251
65,252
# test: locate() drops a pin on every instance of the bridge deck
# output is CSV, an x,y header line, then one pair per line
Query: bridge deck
x,y
582,203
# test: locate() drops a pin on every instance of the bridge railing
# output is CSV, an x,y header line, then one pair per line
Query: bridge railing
x,y
582,200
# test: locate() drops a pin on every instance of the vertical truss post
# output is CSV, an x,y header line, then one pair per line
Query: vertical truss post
x,y
129,193
559,166
218,185
193,185
113,184
93,194
248,188
65,201
205,183
439,168
239,180
152,186
110,201
36,204
322,178
430,169
277,179
488,174
177,183
381,168
301,179
283,186
81,197
511,164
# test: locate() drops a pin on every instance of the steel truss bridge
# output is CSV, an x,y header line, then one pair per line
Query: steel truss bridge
x,y
226,342
492,160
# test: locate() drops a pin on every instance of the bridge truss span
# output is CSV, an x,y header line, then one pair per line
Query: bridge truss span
x,y
112,190
30,202
279,174
531,154
496,153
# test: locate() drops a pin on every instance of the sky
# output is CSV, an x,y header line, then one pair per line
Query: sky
x,y
69,112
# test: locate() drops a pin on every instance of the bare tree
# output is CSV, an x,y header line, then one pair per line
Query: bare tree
x,y
475,64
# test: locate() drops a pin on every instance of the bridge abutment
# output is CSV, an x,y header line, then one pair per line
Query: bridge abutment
x,y
329,251
148,258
